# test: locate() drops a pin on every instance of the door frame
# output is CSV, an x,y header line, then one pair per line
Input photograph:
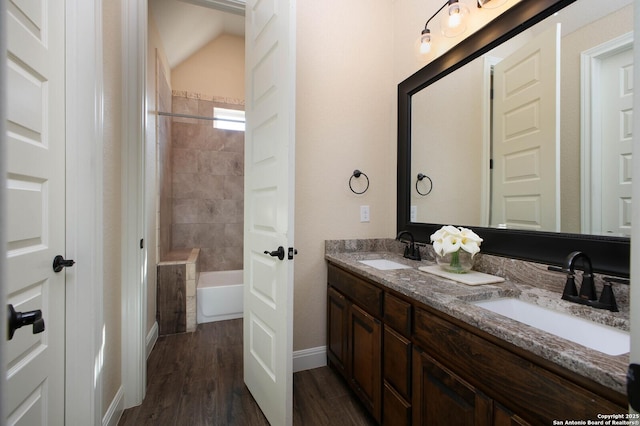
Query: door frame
x,y
134,251
3,200
591,128
84,191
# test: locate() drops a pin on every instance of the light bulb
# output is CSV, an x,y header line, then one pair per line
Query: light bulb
x,y
453,22
454,19
425,47
425,42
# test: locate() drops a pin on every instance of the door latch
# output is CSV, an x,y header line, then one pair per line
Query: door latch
x,y
291,252
15,320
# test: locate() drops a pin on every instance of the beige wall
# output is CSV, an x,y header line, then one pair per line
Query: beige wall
x,y
112,207
345,95
205,72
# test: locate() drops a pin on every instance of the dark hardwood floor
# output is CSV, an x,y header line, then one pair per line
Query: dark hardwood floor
x,y
195,379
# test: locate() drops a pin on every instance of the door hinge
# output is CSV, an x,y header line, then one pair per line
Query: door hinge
x,y
141,243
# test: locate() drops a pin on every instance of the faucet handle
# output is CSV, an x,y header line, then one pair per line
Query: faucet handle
x,y
607,298
570,290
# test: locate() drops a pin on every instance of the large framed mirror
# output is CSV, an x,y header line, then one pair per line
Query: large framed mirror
x,y
451,130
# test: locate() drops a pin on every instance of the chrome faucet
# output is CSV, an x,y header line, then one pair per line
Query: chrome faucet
x,y
411,251
587,295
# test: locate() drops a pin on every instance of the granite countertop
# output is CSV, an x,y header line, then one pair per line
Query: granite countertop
x,y
454,299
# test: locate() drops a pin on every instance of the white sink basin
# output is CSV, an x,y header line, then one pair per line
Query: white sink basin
x,y
384,264
596,336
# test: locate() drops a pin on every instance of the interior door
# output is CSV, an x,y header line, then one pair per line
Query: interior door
x,y
36,208
268,218
526,179
617,139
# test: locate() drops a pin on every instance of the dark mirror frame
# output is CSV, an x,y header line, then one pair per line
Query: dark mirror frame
x,y
609,255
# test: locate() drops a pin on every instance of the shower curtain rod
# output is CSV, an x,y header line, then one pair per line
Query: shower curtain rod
x,y
198,117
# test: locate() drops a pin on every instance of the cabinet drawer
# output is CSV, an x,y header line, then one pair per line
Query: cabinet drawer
x,y
538,395
397,362
365,295
397,313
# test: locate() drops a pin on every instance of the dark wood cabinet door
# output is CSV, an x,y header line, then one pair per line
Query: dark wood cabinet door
x,y
440,397
397,362
365,366
396,411
337,317
504,417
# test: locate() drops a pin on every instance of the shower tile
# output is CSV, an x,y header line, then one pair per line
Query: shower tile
x,y
187,210
189,136
222,211
234,187
205,108
221,259
234,234
234,141
202,235
221,163
181,105
184,161
214,139
198,185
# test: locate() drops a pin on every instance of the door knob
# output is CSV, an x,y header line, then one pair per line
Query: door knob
x,y
276,253
15,320
59,262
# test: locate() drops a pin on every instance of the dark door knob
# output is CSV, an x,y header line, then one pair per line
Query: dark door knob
x,y
59,262
15,320
276,253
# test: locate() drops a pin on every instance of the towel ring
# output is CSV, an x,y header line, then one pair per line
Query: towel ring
x,y
422,176
357,173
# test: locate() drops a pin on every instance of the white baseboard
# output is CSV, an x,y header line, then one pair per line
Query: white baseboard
x,y
116,408
152,337
307,359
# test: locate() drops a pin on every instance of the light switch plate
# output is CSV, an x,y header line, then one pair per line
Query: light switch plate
x,y
364,214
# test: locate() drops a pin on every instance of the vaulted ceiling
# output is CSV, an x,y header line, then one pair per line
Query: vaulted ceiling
x,y
187,25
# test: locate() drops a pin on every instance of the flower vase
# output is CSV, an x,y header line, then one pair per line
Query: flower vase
x,y
457,262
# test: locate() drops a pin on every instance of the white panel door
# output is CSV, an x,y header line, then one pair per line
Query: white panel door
x,y
525,192
269,202
617,139
36,208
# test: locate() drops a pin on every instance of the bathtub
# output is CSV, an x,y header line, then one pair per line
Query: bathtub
x,y
220,296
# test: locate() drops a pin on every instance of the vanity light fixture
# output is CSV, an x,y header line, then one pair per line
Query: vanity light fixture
x,y
453,22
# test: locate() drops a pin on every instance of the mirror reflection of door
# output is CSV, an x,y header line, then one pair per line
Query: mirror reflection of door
x,y
608,108
525,179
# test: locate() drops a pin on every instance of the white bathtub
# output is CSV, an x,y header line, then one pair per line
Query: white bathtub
x,y
219,296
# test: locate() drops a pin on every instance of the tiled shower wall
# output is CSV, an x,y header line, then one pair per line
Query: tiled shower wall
x,y
208,183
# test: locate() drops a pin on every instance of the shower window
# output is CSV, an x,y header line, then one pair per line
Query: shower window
x,y
228,119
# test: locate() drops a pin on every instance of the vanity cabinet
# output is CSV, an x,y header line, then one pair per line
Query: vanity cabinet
x,y
411,364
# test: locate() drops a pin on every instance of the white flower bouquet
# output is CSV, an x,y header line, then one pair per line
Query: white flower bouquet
x,y
448,243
